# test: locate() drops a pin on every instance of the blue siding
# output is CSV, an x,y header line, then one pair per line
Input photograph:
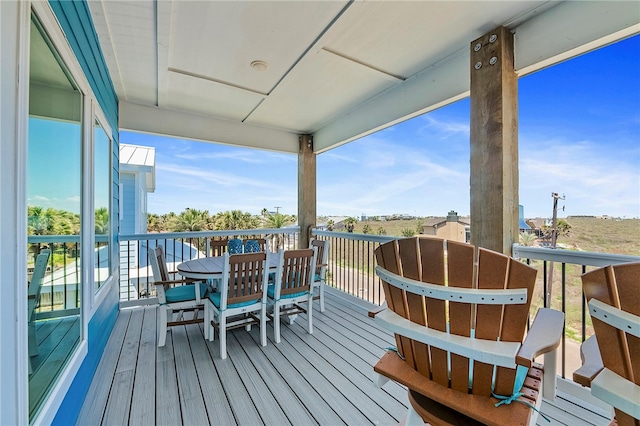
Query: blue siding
x,y
75,20
128,219
103,319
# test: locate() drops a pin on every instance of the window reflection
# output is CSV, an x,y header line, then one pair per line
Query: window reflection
x,y
54,197
102,179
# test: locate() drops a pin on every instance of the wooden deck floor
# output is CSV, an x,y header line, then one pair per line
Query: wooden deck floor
x,y
57,338
325,378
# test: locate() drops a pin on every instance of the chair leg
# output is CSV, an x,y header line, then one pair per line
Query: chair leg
x,y
321,297
276,323
263,326
207,321
223,337
310,315
413,418
162,329
380,380
33,341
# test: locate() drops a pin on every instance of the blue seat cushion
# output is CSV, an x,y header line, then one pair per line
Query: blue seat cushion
x,y
316,277
272,289
215,299
184,293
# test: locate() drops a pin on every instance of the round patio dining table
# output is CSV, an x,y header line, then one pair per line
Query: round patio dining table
x,y
211,267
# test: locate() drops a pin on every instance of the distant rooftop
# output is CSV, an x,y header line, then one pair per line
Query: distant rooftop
x,y
141,159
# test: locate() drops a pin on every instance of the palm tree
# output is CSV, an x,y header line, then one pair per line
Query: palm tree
x,y
235,219
190,220
277,220
408,232
527,239
350,223
102,220
156,223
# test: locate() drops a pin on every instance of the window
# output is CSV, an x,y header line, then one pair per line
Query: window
x,y
54,197
102,198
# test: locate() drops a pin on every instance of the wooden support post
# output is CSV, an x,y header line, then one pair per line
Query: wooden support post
x,y
494,142
306,189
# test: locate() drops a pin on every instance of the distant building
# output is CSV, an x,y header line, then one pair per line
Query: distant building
x,y
137,179
522,224
453,227
338,223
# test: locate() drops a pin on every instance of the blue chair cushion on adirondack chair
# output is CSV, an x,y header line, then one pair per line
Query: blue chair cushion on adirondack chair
x,y
215,299
316,277
272,290
184,293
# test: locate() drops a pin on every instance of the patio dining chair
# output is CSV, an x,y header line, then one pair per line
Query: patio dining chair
x,y
241,294
33,301
254,245
319,276
612,356
292,285
459,319
175,296
217,247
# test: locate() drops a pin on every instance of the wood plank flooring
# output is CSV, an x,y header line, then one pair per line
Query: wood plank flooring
x,y
57,339
325,378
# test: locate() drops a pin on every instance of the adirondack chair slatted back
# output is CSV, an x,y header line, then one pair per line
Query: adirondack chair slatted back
x,y
35,285
297,271
617,286
450,263
245,277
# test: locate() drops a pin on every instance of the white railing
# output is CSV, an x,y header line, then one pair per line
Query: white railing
x,y
136,278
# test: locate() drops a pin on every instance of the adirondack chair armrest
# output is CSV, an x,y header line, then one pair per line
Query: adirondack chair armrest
x,y
375,311
591,362
543,337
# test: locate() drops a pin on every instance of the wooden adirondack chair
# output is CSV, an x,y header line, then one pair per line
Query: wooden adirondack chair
x,y
612,362
459,320
35,286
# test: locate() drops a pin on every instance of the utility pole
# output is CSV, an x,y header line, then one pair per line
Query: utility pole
x,y
277,209
554,227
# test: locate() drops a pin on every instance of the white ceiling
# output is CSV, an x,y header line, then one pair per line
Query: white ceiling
x,y
336,69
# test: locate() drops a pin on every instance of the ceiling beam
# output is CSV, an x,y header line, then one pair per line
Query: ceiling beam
x,y
557,34
146,119
571,29
163,43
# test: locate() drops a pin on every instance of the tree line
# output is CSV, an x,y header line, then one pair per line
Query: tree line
x,y
191,220
50,221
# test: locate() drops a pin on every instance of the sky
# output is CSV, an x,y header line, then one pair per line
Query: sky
x,y
579,136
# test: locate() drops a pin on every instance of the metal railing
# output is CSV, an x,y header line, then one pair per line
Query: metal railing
x,y
60,291
351,269
565,291
136,277
351,263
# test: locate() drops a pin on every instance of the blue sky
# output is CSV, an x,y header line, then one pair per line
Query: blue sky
x,y
579,135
